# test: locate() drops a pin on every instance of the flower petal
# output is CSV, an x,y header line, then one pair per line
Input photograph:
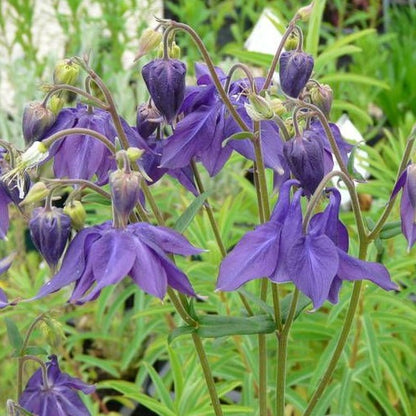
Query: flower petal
x,y
313,262
148,271
351,268
253,257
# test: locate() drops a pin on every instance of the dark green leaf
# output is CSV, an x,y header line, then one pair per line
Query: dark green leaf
x,y
351,169
390,230
180,331
13,333
186,218
257,301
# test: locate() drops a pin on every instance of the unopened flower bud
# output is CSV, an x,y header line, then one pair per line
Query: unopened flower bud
x,y
305,12
295,69
292,42
258,108
38,192
305,157
277,106
66,72
321,96
134,154
50,229
55,104
149,40
125,193
165,80
36,120
76,211
147,120
174,51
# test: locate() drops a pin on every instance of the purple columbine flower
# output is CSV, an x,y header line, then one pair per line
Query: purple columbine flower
x,y
165,80
37,118
59,397
295,69
407,182
80,156
50,229
316,261
105,255
305,157
207,123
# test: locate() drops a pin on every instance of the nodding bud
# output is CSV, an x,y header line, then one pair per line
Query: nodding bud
x,y
125,193
305,157
36,120
50,229
55,104
66,72
76,211
258,108
38,192
305,12
148,41
147,120
292,42
134,154
165,80
321,96
295,69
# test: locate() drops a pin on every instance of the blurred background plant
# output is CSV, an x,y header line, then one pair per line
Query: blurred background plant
x,y
366,53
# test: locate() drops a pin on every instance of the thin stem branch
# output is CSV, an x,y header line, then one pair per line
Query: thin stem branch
x,y
79,130
349,319
82,182
65,87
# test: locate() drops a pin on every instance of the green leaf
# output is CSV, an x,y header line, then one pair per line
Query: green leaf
x,y
160,387
351,166
372,345
256,301
354,78
390,230
329,56
13,333
180,331
314,27
353,110
215,326
303,302
186,218
35,351
104,364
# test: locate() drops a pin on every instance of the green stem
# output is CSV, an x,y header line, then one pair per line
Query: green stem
x,y
203,359
209,210
79,130
149,198
207,374
246,71
22,352
60,87
282,356
82,182
349,319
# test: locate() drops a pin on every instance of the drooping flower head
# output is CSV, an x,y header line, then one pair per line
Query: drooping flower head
x,y
295,69
305,157
59,397
165,80
316,261
80,156
407,182
37,119
50,229
101,255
